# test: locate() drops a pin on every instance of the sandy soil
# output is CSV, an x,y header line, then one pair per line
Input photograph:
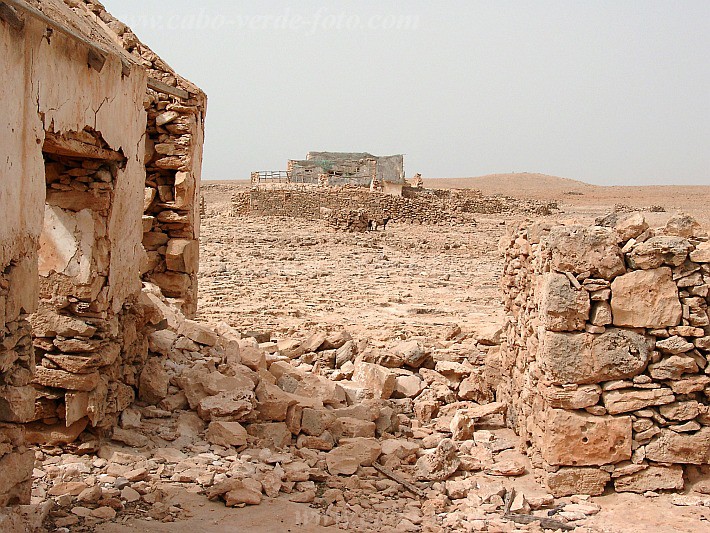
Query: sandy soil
x,y
288,276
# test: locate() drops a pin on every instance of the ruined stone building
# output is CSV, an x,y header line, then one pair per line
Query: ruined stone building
x,y
100,171
337,169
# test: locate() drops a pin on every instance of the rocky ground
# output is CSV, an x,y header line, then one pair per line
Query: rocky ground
x,y
331,381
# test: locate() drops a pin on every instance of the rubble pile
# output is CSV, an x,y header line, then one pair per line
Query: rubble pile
x,y
373,436
607,343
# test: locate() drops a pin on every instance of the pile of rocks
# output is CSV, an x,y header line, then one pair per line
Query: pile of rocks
x,y
355,429
607,346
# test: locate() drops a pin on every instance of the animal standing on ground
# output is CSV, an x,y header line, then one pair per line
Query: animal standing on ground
x,y
373,224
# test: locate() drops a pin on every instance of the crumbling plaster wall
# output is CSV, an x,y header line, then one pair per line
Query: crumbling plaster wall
x,y
47,85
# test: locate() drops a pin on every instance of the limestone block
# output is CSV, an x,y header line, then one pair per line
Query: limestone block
x,y
562,307
153,382
660,250
586,358
600,314
570,398
16,478
572,480
316,421
184,190
197,332
631,225
379,380
652,478
411,352
60,379
173,284
627,400
232,405
680,411
273,403
182,255
275,435
683,225
674,345
24,288
439,464
580,439
673,367
701,254
578,249
17,404
226,433
646,299
672,447
351,453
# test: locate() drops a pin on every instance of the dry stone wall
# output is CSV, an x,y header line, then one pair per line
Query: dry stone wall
x,y
173,161
607,344
423,206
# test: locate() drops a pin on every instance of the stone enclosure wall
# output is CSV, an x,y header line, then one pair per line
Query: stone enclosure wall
x,y
423,206
607,342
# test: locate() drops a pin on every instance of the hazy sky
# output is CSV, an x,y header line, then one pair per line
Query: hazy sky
x,y
608,92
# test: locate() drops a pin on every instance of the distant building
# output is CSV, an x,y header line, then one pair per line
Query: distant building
x,y
332,169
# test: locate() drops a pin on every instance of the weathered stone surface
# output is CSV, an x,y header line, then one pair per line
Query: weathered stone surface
x,y
16,478
411,353
17,404
440,464
462,426
273,434
652,478
571,480
226,433
674,345
55,434
672,447
563,308
672,367
627,400
580,439
351,453
660,250
379,380
680,411
587,358
571,398
61,379
182,255
273,403
198,332
234,405
645,299
153,382
408,386
683,225
701,254
600,314
580,249
631,225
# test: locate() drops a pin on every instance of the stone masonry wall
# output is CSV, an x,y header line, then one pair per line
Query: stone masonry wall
x,y
423,206
173,161
607,347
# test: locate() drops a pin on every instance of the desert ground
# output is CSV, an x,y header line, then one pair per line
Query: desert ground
x,y
287,277
279,278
